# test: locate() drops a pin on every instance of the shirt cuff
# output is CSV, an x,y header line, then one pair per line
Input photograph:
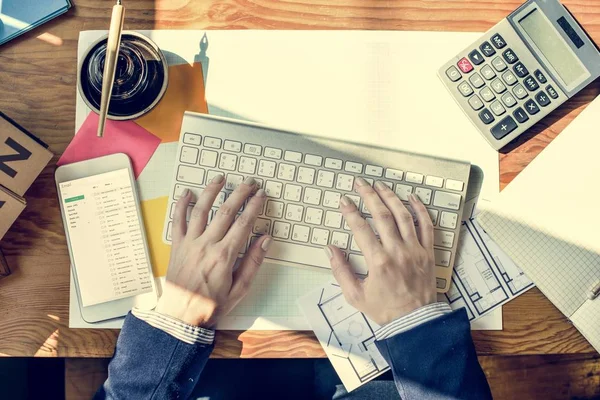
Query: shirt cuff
x,y
176,328
412,320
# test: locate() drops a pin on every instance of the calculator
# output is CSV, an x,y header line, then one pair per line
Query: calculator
x,y
521,70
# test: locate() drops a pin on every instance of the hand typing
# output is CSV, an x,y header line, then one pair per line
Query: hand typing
x,y
401,267
201,283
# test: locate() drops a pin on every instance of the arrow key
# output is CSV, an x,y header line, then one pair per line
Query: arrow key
x,y
504,127
476,57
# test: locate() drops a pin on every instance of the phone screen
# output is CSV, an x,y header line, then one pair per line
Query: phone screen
x,y
105,236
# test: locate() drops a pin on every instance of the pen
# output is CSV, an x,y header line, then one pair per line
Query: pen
x,y
110,62
594,292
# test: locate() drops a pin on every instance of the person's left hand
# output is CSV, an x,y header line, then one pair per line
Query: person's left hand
x,y
201,283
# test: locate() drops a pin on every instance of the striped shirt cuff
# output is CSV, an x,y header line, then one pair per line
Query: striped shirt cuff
x,y
412,320
176,328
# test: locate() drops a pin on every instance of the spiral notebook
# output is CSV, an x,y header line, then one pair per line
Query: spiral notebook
x,y
547,221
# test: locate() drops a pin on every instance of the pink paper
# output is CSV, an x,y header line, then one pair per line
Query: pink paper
x,y
119,137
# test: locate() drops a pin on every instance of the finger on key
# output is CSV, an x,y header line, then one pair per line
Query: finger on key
x,y
363,233
199,215
241,228
424,220
382,216
228,210
402,216
179,228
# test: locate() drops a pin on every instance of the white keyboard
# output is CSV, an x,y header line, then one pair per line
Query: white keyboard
x,y
304,178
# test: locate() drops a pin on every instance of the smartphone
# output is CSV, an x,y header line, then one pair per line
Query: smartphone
x,y
106,237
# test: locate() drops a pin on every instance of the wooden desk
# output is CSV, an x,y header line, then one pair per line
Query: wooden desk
x,y
38,84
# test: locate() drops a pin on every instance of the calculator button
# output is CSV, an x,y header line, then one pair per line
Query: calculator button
x,y
464,65
520,115
497,108
504,127
475,102
487,72
531,84
498,64
509,78
510,56
540,76
531,107
476,57
520,70
498,41
487,94
542,98
486,116
465,89
453,74
487,49
551,92
520,91
498,86
508,99
476,80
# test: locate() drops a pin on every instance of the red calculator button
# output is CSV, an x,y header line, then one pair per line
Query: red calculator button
x,y
464,65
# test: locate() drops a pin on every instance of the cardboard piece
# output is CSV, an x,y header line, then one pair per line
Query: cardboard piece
x,y
11,206
4,269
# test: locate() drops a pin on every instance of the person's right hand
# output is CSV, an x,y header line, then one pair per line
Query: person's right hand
x,y
401,267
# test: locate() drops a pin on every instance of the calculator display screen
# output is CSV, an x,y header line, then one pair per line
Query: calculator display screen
x,y
553,47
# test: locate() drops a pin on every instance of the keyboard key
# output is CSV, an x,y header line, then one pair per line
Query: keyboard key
x,y
434,181
465,89
497,108
358,264
274,209
325,179
540,76
312,196
262,226
247,165
486,116
189,155
297,253
531,84
292,192
333,219
219,200
293,212
476,80
228,161
354,245
509,78
196,191
344,182
542,98
273,189
453,74
266,168
286,172
314,216
446,200
191,138
503,128
498,41
464,65
208,158
403,191
373,170
191,175
306,175
475,102
281,230
510,56
333,163
233,181
508,99
253,149
293,156
331,199
498,86
520,115
452,184
211,175
487,94
169,231
271,152
487,72
433,214
311,159
551,92
440,283
499,64
531,107
414,177
443,238
319,237
340,240
300,233
214,143
442,257
354,167
520,92
520,70
476,57
424,195
448,220
487,49
395,174
231,145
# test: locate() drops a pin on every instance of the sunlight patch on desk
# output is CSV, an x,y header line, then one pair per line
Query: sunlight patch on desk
x,y
50,39
54,317
50,347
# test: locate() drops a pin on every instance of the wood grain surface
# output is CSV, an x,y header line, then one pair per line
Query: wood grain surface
x,y
38,84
